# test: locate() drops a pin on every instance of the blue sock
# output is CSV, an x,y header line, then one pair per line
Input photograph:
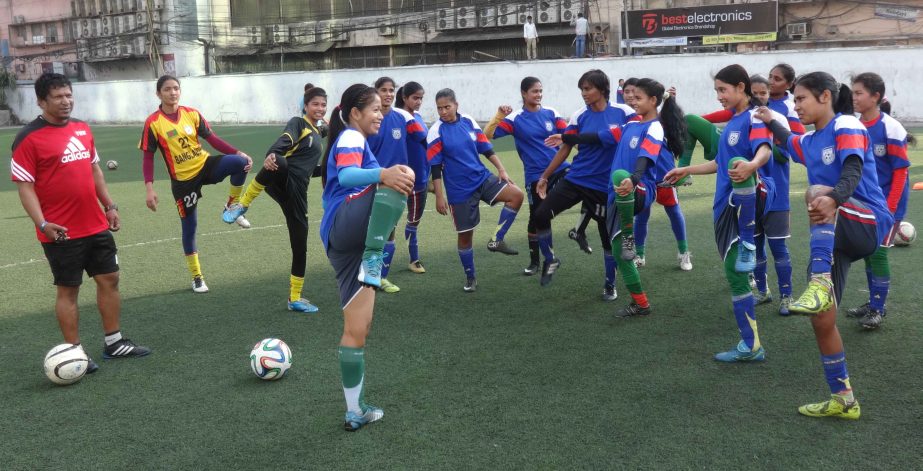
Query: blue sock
x,y
388,255
822,236
783,263
878,292
410,234
507,216
467,260
759,273
835,371
544,244
746,217
745,315
677,221
188,225
641,221
610,268
868,276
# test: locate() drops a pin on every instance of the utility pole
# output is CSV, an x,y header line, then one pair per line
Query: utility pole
x,y
154,54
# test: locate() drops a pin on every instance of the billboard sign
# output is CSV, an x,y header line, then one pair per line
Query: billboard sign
x,y
739,18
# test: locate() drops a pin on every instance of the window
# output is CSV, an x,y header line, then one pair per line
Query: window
x,y
51,35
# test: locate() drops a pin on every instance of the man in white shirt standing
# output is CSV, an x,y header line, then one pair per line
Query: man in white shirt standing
x,y
531,37
581,28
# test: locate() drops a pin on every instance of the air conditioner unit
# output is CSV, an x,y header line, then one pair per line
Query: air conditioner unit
x,y
445,19
338,33
114,51
129,23
94,27
466,17
255,36
385,29
796,30
549,11
301,34
82,50
277,34
506,14
487,17
569,10
524,11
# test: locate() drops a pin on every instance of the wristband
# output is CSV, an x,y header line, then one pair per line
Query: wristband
x,y
41,227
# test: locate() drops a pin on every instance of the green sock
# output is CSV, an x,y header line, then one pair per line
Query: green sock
x,y
625,204
386,211
702,131
682,245
639,250
632,279
352,370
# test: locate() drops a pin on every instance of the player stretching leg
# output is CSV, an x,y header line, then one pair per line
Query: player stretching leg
x,y
530,126
286,173
355,214
175,131
744,148
848,214
889,144
453,145
410,99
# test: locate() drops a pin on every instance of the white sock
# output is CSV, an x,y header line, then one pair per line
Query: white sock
x,y
114,337
352,397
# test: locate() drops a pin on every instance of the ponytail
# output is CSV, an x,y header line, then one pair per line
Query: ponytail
x,y
818,82
671,115
405,91
843,100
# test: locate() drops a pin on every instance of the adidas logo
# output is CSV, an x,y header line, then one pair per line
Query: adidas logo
x,y
74,151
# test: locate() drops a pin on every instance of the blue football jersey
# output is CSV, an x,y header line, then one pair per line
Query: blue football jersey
x,y
390,144
350,150
529,130
416,157
591,166
742,136
457,146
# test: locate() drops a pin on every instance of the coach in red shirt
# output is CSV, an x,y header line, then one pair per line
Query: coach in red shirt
x,y
56,169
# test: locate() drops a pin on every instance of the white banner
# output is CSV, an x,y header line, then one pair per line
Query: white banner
x,y
655,42
896,12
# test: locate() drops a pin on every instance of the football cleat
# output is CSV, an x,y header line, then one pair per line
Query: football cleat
x,y
580,238
370,270
242,222
123,349
762,297
817,298
834,407
302,305
628,247
741,353
685,261
548,269
356,421
609,293
233,212
633,310
416,267
198,285
640,262
859,312
502,247
91,366
746,258
872,320
389,287
471,285
532,269
785,305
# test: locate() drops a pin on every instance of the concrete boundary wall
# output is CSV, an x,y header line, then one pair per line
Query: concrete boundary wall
x,y
274,97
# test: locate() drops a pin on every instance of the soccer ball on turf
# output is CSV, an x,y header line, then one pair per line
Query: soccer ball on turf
x,y
270,359
66,363
905,235
112,164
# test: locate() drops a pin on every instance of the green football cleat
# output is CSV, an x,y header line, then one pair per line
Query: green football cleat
x,y
741,353
835,407
817,298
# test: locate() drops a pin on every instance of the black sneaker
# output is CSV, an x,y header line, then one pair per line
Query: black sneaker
x,y
580,238
91,366
872,320
633,310
548,269
628,247
123,349
859,312
500,246
471,285
532,269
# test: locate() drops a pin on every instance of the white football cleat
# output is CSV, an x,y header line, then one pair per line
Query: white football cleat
x,y
685,261
198,285
242,222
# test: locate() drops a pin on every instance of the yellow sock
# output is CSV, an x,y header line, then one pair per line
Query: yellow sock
x,y
234,193
192,261
253,190
295,284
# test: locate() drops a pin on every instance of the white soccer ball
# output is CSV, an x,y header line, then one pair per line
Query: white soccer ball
x,y
112,164
270,359
905,235
66,363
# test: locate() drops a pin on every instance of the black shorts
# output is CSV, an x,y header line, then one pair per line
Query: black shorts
x,y
566,194
95,255
726,233
467,215
854,239
416,203
775,225
347,242
187,193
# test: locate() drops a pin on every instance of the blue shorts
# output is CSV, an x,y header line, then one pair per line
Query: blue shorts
x,y
775,225
416,203
726,233
467,215
347,242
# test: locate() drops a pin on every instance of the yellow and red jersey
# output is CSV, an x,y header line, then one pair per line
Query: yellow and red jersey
x,y
177,140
